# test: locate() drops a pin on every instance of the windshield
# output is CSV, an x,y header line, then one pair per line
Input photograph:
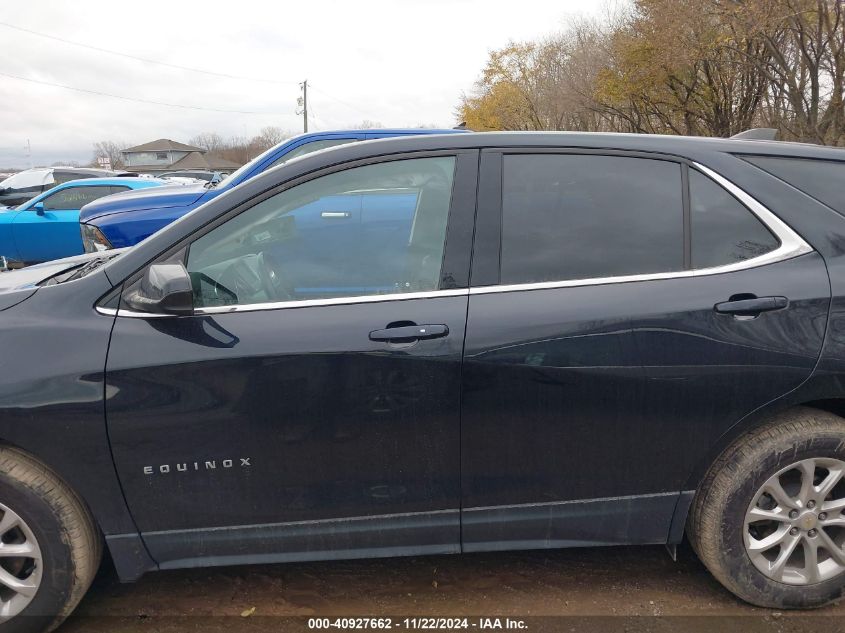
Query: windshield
x,y
313,145
28,178
80,270
236,175
32,201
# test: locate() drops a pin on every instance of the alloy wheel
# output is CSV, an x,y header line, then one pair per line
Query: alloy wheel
x,y
21,564
795,527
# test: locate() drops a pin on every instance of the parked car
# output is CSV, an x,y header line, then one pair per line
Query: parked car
x,y
119,223
197,174
20,187
443,344
47,226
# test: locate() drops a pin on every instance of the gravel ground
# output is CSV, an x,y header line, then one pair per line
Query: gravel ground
x,y
597,589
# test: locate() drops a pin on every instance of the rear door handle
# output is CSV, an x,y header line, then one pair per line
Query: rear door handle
x,y
337,215
751,306
410,333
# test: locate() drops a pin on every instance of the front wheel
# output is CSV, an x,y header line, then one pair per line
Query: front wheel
x,y
49,547
768,519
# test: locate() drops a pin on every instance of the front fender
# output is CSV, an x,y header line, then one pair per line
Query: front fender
x,y
51,398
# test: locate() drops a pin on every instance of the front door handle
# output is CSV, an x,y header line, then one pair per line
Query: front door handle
x,y
751,306
409,333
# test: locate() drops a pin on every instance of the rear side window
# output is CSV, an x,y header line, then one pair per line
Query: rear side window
x,y
61,177
820,179
723,230
582,216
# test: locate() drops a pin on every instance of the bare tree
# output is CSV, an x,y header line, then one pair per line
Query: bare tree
x,y
699,67
271,135
240,149
804,63
209,141
367,124
110,150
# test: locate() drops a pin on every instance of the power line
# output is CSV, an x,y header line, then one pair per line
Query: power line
x,y
142,59
346,103
160,63
114,96
314,119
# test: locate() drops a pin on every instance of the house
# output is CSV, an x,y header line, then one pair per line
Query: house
x,y
166,155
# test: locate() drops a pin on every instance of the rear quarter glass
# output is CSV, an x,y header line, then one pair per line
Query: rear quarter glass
x,y
819,179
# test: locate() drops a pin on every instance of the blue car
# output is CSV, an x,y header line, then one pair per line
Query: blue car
x,y
125,221
47,226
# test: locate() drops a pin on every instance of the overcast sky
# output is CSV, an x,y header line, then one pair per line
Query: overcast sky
x,y
399,63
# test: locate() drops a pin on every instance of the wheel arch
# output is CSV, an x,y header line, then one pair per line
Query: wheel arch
x,y
127,551
763,415
832,403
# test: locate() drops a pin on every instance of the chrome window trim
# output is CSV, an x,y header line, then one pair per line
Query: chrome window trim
x,y
791,245
308,303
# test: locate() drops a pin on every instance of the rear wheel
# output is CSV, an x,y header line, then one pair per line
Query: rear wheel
x,y
768,519
49,547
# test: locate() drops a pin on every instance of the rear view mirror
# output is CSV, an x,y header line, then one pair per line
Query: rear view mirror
x,y
38,207
164,289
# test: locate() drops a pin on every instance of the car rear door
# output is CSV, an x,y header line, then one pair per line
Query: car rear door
x,y
625,310
321,421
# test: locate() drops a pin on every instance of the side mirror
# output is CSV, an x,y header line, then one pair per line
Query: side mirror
x,y
38,207
164,289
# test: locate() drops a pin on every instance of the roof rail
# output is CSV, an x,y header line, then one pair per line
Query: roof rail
x,y
757,134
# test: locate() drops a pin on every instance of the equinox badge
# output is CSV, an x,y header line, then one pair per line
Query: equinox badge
x,y
183,467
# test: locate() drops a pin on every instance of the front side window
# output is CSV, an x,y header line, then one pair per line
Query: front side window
x,y
74,198
370,230
723,230
583,216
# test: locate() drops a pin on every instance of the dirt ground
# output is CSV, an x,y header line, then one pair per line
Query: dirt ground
x,y
635,589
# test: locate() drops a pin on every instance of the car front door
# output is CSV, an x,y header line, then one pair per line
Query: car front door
x,y
50,230
310,407
607,343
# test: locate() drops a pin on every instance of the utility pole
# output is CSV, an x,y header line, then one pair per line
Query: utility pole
x,y
29,153
302,102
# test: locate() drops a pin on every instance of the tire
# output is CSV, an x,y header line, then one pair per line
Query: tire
x,y
65,536
721,522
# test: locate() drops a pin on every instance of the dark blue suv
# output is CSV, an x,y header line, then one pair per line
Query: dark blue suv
x,y
127,219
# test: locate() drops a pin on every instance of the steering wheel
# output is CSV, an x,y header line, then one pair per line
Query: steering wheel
x,y
276,284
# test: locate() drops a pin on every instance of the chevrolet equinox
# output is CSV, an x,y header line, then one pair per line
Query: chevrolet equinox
x,y
442,344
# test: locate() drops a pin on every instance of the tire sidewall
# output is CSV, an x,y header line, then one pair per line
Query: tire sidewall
x,y
57,569
755,586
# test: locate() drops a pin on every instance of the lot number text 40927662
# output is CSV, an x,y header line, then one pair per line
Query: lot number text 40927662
x,y
422,623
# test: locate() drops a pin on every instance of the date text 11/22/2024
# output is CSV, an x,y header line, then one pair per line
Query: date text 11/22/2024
x,y
421,623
